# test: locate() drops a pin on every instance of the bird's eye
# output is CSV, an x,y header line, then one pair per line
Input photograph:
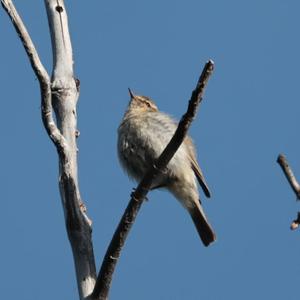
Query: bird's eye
x,y
148,104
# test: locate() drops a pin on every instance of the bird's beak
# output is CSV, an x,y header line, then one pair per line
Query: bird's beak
x,y
131,93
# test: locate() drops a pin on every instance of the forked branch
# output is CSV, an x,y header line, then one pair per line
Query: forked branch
x,y
60,94
114,250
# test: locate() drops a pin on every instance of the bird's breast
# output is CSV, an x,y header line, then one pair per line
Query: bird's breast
x,y
141,140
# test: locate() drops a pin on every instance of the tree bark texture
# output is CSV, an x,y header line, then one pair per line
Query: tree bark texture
x,y
60,93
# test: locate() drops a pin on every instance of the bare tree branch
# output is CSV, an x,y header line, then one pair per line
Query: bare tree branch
x,y
62,92
112,255
282,161
40,72
65,95
288,172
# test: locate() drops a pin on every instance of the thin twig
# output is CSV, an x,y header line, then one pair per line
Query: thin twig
x,y
295,224
40,72
112,255
36,64
288,172
282,161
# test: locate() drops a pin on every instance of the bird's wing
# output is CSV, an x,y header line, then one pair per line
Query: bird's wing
x,y
196,168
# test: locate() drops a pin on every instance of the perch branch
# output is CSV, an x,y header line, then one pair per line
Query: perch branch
x,y
112,255
282,161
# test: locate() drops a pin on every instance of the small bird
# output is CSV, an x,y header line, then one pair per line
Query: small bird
x,y
143,134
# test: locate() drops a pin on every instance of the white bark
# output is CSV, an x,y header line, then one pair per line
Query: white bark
x,y
63,86
64,98
62,93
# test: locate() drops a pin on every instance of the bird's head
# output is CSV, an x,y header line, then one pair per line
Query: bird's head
x,y
141,103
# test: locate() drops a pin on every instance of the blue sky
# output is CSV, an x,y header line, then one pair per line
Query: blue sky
x,y
249,115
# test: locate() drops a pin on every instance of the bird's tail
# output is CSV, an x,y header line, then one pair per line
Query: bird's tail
x,y
204,229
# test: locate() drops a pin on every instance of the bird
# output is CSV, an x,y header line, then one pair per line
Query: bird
x,y
143,134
